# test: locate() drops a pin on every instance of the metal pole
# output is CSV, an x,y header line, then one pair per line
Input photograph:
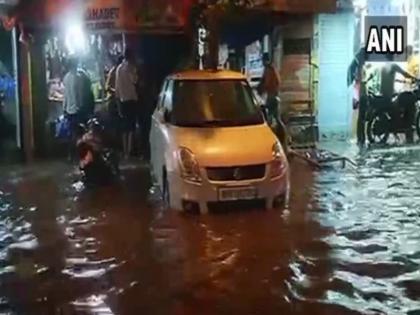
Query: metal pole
x,y
17,96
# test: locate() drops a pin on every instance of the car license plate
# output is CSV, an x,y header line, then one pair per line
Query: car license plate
x,y
231,194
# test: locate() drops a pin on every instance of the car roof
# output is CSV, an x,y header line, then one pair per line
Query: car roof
x,y
207,75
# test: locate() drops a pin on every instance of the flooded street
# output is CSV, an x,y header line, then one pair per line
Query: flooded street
x,y
349,243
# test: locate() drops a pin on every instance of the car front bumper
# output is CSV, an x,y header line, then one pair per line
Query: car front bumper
x,y
184,194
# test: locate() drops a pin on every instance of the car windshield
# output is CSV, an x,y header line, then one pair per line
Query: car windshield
x,y
214,103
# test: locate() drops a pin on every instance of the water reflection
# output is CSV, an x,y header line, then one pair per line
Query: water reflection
x,y
348,244
375,243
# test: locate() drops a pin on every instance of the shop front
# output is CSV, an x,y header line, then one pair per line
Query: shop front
x,y
10,141
10,131
287,32
96,33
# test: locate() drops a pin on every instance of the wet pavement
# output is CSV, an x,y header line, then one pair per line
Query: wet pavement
x,y
349,243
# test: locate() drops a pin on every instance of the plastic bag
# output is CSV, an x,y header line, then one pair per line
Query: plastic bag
x,y
62,128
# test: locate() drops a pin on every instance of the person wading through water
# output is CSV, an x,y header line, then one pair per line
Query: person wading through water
x,y
73,103
388,76
359,76
270,87
113,114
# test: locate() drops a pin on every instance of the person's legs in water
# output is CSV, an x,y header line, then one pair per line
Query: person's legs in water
x,y
272,108
131,125
113,117
361,121
125,122
409,121
124,137
273,116
74,122
145,125
130,143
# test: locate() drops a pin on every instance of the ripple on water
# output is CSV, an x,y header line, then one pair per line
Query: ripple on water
x,y
375,256
94,304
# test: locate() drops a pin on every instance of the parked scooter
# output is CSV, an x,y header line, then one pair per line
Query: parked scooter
x,y
98,162
398,117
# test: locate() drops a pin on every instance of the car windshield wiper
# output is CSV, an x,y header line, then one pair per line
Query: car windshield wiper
x,y
216,122
219,123
206,123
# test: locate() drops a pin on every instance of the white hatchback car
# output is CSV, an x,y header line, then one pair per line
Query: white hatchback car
x,y
211,146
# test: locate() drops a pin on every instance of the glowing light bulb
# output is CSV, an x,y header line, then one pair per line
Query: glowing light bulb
x,y
75,39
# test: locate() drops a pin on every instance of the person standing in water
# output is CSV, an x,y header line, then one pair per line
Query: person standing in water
x,y
126,92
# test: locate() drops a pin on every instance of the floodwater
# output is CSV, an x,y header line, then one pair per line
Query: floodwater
x,y
349,243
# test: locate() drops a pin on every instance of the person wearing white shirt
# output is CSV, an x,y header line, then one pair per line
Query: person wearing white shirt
x,y
72,103
126,92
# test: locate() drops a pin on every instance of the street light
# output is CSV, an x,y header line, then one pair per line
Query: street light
x,y
75,39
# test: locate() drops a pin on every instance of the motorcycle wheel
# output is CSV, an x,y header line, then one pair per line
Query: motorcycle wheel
x,y
418,123
378,129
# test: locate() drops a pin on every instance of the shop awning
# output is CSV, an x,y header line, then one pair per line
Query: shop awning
x,y
130,15
245,27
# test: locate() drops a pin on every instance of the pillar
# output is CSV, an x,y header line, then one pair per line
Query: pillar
x,y
39,97
26,102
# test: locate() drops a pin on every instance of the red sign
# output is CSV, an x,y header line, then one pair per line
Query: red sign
x,y
305,6
8,22
123,15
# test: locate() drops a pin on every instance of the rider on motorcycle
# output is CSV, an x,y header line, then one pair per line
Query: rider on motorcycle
x,y
388,74
98,159
90,144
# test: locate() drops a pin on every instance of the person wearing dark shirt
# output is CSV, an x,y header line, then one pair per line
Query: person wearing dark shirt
x,y
270,85
87,96
357,75
388,75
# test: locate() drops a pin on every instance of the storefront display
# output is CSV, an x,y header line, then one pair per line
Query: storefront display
x,y
254,62
100,55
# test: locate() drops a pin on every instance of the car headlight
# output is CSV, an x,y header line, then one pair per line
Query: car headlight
x,y
278,164
190,169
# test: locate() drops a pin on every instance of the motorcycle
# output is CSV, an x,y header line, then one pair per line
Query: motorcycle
x,y
396,117
98,163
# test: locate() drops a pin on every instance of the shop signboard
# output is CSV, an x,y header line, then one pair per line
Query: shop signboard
x,y
135,15
105,15
305,6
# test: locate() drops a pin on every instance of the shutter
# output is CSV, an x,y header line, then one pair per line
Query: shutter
x,y
336,33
